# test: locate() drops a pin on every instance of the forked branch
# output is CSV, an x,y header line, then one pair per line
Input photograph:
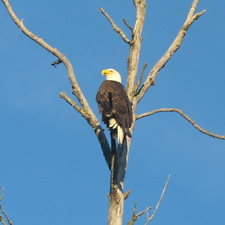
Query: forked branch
x,y
184,116
115,27
84,109
136,216
171,50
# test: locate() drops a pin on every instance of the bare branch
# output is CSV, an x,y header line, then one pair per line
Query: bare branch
x,y
76,88
3,211
171,50
157,206
193,8
115,27
2,220
134,211
2,193
130,27
136,216
126,194
140,80
57,62
71,102
85,110
5,214
185,116
98,130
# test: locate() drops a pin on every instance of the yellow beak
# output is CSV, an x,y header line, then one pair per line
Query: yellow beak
x,y
105,72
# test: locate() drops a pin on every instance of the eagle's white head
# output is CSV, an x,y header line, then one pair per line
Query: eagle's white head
x,y
112,74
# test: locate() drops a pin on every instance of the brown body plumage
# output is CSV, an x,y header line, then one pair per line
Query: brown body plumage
x,y
115,107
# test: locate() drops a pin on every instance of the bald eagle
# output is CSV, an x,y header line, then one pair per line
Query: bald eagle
x,y
114,105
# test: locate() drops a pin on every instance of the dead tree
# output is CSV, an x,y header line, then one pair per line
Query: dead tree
x,y
136,89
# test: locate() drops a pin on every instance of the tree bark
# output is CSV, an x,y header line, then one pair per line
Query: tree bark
x,y
116,205
117,196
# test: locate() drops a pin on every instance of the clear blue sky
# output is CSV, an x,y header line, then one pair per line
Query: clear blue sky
x,y
52,168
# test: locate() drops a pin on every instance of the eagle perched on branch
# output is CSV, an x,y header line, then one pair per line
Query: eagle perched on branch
x,y
114,105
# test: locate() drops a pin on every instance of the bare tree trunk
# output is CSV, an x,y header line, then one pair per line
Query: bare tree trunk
x,y
116,205
117,196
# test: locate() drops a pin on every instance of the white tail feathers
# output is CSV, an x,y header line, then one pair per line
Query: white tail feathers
x,y
120,133
113,124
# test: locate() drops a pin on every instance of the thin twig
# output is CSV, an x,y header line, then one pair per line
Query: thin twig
x,y
134,210
130,27
2,195
115,27
136,216
3,211
171,50
157,206
5,214
140,79
70,101
1,218
142,212
57,62
185,116
126,194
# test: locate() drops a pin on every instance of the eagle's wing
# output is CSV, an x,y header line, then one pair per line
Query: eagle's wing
x,y
114,103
